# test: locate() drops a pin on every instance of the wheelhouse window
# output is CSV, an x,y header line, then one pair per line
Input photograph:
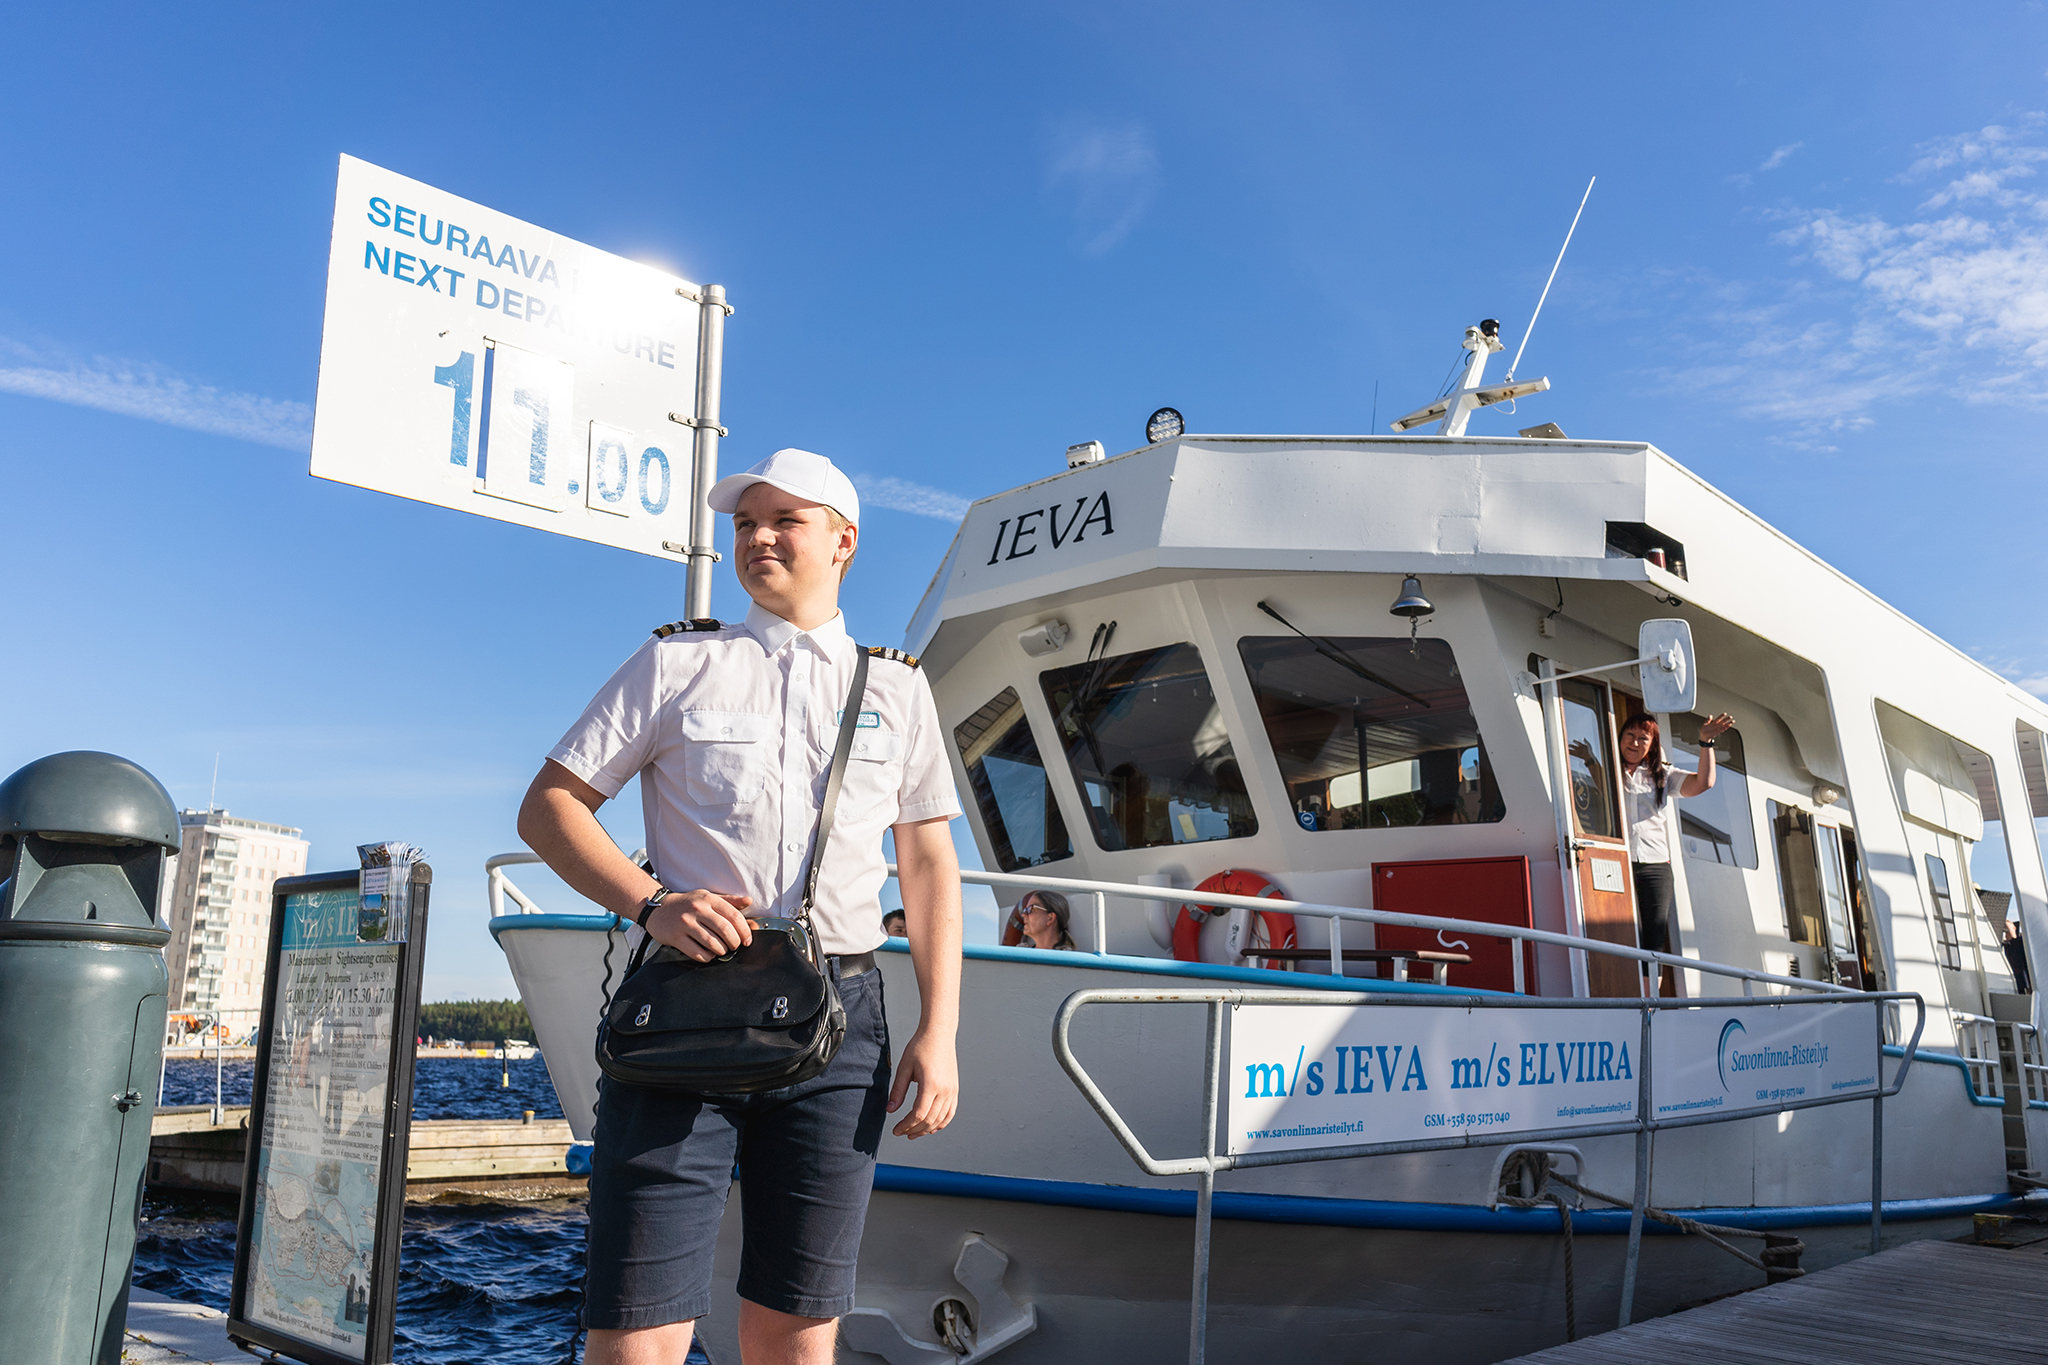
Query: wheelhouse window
x,y
1716,826
1011,786
1149,750
1371,732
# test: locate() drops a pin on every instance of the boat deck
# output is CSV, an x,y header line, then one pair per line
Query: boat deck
x,y
1926,1302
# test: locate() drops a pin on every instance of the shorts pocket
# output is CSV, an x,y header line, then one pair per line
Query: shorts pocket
x,y
725,756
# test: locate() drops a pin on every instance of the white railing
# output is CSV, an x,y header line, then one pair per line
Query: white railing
x,y
1337,915
2033,1063
1977,1045
500,887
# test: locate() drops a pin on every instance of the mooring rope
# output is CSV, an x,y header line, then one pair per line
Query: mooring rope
x,y
1537,1166
1713,1232
1543,1169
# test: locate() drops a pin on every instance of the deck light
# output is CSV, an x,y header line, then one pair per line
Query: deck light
x,y
1413,605
1163,425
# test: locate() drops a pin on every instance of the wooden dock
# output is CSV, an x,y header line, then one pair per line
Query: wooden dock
x,y
501,1158
1928,1303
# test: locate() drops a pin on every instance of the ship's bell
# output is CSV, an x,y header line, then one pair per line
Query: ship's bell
x,y
1411,603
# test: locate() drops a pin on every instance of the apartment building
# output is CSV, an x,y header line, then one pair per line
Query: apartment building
x,y
219,912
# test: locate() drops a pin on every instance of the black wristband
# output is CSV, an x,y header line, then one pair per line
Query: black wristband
x,y
1706,744
661,893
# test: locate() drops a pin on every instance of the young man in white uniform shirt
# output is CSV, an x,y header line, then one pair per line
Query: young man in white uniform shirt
x,y
731,730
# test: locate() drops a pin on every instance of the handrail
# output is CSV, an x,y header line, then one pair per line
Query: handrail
x,y
1977,1045
1070,1062
1642,1123
498,885
1344,912
2033,1065
501,886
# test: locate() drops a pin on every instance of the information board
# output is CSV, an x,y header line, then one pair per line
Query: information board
x,y
475,361
323,1190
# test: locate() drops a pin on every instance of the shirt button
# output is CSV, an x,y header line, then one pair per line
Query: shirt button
x,y
726,731
796,848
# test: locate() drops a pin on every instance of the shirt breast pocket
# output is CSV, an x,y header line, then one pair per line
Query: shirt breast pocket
x,y
725,756
874,770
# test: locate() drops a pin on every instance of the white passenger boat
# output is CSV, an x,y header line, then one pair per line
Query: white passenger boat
x,y
1180,661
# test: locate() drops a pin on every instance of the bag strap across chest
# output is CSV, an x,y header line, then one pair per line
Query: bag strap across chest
x,y
849,721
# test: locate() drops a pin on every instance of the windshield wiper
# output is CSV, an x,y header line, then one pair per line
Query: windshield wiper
x,y
1342,658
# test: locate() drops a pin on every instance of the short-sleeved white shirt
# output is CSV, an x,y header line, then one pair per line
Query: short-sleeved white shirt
x,y
731,732
1649,836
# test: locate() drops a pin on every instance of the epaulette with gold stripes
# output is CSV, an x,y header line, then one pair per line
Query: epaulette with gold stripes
x,y
695,623
884,652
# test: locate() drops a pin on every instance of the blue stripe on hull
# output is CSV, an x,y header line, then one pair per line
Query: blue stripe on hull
x,y
1409,1217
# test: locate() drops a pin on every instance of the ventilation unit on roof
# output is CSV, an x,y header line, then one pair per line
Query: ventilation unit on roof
x,y
1640,540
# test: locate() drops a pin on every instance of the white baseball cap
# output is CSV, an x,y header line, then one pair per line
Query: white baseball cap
x,y
812,477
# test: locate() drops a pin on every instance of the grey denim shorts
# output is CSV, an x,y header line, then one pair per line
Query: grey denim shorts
x,y
663,1162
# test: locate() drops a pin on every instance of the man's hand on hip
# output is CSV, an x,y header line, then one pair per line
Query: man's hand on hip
x,y
702,925
931,1063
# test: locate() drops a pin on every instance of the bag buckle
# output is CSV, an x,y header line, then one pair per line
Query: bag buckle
x,y
781,1009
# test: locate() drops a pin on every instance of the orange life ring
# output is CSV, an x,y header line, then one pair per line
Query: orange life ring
x,y
1187,923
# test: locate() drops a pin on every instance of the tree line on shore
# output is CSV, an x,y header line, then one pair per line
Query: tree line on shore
x,y
476,1021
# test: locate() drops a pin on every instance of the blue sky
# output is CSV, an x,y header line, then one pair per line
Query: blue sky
x,y
1815,269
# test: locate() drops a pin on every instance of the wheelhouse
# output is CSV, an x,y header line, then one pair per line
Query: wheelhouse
x,y
1180,661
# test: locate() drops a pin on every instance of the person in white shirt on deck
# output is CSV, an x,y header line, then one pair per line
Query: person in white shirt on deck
x,y
1645,787
731,731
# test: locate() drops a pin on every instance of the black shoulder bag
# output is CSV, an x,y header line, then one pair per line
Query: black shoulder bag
x,y
765,1016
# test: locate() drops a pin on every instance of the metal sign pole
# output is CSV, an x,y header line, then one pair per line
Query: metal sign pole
x,y
1877,1141
1642,1199
1198,1318
704,464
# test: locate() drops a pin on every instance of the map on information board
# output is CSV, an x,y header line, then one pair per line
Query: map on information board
x,y
314,1234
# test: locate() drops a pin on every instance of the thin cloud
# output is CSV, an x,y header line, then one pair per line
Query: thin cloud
x,y
137,389
901,495
1944,297
1107,176
1778,158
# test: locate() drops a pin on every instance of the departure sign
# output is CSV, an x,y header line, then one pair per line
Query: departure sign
x,y
475,361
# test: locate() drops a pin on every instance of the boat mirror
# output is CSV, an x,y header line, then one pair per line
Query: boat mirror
x,y
1667,671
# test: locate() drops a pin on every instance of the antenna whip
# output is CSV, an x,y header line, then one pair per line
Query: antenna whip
x,y
1553,279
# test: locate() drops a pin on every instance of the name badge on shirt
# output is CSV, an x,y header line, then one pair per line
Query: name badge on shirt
x,y
869,720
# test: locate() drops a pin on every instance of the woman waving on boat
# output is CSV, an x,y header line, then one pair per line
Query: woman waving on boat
x,y
1645,788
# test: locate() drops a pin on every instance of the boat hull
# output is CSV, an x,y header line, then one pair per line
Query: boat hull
x,y
1377,1259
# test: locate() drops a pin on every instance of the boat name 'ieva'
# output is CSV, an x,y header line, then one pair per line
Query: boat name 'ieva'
x,y
1024,540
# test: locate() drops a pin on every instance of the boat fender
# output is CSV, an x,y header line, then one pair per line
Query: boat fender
x,y
1276,928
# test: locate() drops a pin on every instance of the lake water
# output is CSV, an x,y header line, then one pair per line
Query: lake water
x,y
479,1280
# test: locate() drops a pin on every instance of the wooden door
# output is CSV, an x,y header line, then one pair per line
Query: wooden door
x,y
1607,893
